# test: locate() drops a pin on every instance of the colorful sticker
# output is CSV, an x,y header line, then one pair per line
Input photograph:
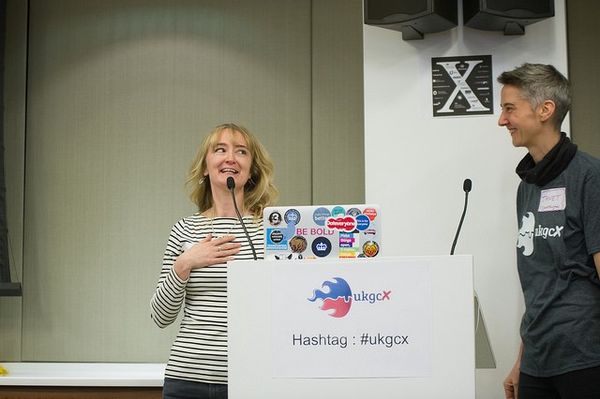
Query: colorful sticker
x,y
349,240
346,223
370,249
371,213
276,240
349,245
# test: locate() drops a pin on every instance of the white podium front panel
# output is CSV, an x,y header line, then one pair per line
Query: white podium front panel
x,y
401,327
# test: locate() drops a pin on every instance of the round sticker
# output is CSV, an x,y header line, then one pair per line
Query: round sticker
x,y
276,236
320,215
370,249
338,211
371,213
353,212
292,216
362,222
321,247
275,218
298,244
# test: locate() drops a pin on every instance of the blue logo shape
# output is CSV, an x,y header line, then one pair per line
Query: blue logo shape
x,y
292,216
320,215
362,222
335,295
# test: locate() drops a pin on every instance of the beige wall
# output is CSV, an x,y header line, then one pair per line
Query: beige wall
x,y
119,94
584,63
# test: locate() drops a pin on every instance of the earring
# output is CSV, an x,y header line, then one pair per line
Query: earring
x,y
202,180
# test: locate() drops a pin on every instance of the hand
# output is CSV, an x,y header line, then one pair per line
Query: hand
x,y
511,383
206,252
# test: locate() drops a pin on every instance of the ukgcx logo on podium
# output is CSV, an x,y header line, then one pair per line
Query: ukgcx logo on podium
x,y
337,295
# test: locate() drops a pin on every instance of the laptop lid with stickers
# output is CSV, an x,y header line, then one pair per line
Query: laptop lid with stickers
x,y
322,231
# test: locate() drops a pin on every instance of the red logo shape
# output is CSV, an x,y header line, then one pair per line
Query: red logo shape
x,y
371,213
347,223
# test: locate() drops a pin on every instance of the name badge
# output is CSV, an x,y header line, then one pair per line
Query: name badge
x,y
553,199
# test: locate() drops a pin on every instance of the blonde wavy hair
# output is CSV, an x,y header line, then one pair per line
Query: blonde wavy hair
x,y
259,191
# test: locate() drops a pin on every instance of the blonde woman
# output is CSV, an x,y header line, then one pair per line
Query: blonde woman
x,y
194,269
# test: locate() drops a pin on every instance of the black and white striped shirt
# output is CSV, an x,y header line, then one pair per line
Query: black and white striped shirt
x,y
199,352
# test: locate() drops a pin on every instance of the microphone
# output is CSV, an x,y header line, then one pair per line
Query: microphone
x,y
231,187
467,185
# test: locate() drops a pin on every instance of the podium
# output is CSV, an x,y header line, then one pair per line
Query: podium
x,y
398,326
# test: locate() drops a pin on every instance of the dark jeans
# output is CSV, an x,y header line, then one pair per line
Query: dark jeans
x,y
181,389
579,384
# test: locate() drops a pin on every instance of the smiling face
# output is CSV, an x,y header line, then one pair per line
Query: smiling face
x,y
522,121
229,156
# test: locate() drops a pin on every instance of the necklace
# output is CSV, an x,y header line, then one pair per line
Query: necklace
x,y
228,225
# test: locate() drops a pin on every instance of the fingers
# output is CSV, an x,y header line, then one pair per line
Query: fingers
x,y
228,249
510,391
224,239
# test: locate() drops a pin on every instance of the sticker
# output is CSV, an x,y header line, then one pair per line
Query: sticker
x,y
347,253
276,236
275,240
321,247
362,222
338,211
292,216
349,245
298,244
348,240
275,218
353,212
371,213
347,223
370,249
553,199
320,215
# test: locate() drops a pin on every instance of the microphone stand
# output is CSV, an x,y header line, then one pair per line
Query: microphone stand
x,y
467,184
231,187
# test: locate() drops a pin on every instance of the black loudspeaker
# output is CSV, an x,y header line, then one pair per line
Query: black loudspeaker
x,y
509,16
413,18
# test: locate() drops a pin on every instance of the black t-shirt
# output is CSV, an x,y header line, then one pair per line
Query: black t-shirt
x,y
559,231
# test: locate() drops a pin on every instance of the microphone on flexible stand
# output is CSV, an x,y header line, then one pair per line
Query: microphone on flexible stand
x,y
467,185
231,187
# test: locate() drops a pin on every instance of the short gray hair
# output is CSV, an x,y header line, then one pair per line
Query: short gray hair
x,y
538,83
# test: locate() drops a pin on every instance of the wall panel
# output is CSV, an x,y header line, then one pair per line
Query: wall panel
x,y
584,62
338,117
120,94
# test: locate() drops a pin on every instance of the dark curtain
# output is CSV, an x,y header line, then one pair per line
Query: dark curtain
x,y
4,265
6,287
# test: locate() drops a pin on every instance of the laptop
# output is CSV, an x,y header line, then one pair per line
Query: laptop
x,y
322,231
